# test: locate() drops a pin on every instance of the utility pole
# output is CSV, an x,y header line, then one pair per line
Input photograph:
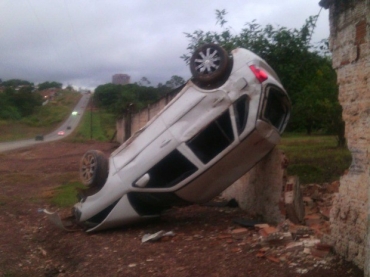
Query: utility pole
x,y
91,107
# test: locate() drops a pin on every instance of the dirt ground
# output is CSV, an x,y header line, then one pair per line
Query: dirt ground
x,y
205,241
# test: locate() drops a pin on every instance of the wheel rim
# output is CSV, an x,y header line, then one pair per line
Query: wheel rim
x,y
208,61
88,167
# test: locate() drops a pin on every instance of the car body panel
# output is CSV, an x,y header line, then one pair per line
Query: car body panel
x,y
135,145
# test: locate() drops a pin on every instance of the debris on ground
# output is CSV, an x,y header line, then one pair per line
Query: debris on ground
x,y
298,246
295,244
157,236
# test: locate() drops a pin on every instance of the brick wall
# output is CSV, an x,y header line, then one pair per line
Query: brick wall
x,y
349,42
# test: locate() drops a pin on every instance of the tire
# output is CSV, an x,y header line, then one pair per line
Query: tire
x,y
209,63
94,168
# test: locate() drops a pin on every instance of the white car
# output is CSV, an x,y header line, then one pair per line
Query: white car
x,y
223,121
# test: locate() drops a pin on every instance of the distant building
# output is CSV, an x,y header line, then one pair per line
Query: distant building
x,y
121,79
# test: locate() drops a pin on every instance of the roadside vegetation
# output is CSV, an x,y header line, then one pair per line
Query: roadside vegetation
x,y
97,125
315,158
43,119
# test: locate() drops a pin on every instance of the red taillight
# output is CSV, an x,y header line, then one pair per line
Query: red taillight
x,y
260,74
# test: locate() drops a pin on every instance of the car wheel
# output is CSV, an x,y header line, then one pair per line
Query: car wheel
x,y
94,168
209,63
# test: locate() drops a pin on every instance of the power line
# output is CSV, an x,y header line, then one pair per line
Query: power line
x,y
42,26
314,25
73,32
309,42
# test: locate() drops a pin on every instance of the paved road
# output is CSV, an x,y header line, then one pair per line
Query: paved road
x,y
72,121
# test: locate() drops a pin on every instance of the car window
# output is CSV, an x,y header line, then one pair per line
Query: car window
x,y
241,110
213,139
275,107
171,170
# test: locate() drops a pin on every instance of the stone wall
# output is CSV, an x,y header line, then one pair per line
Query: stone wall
x,y
349,43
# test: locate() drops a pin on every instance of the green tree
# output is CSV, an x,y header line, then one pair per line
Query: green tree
x,y
144,81
18,103
69,87
7,111
47,85
175,82
107,95
168,86
14,83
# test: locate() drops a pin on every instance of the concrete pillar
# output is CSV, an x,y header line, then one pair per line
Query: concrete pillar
x,y
259,191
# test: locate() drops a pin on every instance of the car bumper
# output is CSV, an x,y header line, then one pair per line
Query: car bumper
x,y
121,213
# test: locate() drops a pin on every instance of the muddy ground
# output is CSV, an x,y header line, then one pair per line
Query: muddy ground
x,y
206,241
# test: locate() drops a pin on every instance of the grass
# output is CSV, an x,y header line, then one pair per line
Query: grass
x,y
315,159
55,111
65,195
16,130
97,125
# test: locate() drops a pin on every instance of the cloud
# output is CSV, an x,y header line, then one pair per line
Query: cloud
x,y
85,42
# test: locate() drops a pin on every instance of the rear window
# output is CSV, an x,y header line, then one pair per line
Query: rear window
x,y
276,107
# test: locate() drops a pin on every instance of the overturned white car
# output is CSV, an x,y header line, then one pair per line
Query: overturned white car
x,y
223,121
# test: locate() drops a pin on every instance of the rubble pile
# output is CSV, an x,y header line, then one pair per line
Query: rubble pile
x,y
299,245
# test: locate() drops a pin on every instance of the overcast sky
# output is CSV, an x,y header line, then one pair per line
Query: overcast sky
x,y
85,42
